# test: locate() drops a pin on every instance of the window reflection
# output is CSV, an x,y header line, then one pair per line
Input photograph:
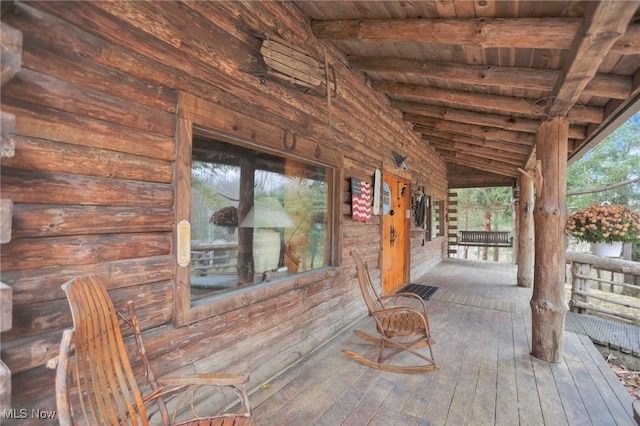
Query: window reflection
x,y
255,217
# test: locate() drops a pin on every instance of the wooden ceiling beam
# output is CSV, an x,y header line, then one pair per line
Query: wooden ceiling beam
x,y
604,85
602,27
428,134
504,122
532,33
491,154
483,164
484,103
477,180
483,132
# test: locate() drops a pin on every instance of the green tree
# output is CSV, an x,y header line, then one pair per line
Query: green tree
x,y
616,159
485,209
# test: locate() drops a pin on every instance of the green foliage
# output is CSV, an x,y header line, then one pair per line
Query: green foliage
x,y
476,204
616,159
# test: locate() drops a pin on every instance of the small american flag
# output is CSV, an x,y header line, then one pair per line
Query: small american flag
x,y
360,200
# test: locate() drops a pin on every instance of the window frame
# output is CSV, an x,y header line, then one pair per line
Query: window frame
x,y
232,127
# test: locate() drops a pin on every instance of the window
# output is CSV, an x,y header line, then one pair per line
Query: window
x,y
255,217
254,207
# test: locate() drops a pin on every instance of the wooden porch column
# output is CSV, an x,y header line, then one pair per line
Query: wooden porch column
x,y
525,232
548,307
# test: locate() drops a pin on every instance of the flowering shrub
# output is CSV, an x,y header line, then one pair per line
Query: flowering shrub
x,y
226,216
605,224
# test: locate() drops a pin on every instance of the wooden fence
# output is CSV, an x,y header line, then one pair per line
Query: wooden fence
x,y
581,266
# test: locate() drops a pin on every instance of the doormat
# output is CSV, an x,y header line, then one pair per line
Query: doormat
x,y
426,292
477,301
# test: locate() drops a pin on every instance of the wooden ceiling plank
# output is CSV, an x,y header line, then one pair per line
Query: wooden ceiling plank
x,y
629,43
602,27
540,33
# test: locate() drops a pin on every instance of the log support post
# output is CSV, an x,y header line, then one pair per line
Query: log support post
x,y
548,306
525,232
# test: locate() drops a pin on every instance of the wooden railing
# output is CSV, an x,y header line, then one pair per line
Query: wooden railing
x,y
582,265
485,238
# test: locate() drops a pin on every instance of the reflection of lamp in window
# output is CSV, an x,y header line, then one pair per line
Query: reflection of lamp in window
x,y
266,213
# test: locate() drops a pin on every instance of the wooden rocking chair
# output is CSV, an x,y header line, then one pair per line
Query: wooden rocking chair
x,y
107,392
400,328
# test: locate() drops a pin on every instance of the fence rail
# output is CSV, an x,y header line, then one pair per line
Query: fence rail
x,y
581,266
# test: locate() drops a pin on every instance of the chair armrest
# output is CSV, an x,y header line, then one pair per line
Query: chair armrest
x,y
409,295
62,386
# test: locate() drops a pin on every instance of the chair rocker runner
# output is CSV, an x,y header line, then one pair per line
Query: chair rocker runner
x,y
104,390
400,328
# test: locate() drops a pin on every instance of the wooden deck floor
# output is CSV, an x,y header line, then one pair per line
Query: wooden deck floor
x,y
486,375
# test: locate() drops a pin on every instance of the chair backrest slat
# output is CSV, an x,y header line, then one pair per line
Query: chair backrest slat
x,y
371,298
109,393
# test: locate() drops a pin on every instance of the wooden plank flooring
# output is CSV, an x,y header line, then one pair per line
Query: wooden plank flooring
x,y
486,376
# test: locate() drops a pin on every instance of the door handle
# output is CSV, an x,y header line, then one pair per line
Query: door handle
x,y
392,236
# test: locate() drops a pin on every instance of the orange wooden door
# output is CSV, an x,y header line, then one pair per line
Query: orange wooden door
x,y
396,204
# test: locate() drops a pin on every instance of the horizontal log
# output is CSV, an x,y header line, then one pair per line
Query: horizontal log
x,y
595,308
46,124
505,122
47,156
606,263
34,389
454,149
478,149
42,55
31,253
607,299
153,303
493,166
507,105
486,132
429,134
527,33
481,181
39,187
604,85
169,71
61,95
39,285
47,220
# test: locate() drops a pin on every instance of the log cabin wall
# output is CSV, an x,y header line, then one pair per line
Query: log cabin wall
x,y
93,186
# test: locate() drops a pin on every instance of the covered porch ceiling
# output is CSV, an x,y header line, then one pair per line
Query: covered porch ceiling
x,y
476,78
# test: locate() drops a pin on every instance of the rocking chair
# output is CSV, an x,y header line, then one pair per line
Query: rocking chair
x,y
107,392
400,328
